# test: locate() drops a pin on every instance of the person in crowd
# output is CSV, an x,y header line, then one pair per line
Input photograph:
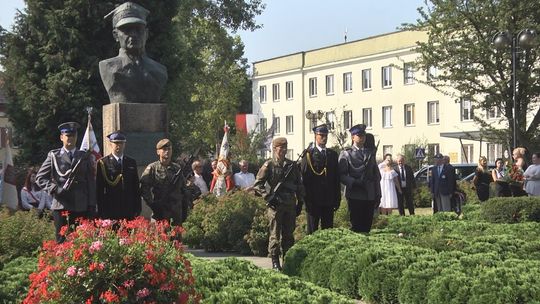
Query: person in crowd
x,y
32,197
244,179
482,179
320,175
198,179
407,185
163,186
502,188
117,182
67,174
518,154
389,186
532,176
442,184
360,174
285,204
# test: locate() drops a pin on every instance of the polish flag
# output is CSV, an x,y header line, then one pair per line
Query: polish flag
x,y
89,142
246,123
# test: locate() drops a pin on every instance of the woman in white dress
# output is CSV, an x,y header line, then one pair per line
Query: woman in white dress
x,y
389,186
532,176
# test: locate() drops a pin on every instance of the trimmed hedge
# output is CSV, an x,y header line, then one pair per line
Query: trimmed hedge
x,y
15,279
511,209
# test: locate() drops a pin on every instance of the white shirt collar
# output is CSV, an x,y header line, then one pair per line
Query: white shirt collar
x,y
117,157
64,150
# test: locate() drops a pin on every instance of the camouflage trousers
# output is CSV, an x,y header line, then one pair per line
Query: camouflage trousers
x,y
282,223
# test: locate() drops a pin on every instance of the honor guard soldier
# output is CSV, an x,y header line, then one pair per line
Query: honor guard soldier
x,y
117,182
67,175
360,175
320,175
284,200
163,186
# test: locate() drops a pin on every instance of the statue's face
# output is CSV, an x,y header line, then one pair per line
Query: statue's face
x,y
132,37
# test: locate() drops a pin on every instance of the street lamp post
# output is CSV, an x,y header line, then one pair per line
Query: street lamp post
x,y
314,116
523,40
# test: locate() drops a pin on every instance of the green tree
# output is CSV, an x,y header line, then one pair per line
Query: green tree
x,y
459,40
51,62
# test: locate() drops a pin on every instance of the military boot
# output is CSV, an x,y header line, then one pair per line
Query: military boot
x,y
275,263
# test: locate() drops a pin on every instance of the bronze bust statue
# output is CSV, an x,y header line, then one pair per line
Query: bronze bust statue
x,y
132,77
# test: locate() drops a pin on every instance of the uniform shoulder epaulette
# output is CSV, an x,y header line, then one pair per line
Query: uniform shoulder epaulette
x,y
55,150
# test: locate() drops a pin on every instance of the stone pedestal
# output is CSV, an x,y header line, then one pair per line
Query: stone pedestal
x,y
144,125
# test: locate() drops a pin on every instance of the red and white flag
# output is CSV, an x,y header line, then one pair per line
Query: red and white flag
x,y
246,123
89,142
9,180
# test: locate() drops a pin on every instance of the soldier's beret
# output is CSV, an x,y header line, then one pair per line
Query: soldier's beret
x,y
116,136
359,129
68,127
163,144
279,141
321,129
126,13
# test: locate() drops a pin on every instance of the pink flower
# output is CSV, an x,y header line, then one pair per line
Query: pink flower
x,y
71,271
81,272
143,293
96,246
106,223
129,283
124,241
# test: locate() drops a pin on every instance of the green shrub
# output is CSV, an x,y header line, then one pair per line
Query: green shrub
x,y
511,209
194,234
422,197
450,286
257,238
21,233
15,279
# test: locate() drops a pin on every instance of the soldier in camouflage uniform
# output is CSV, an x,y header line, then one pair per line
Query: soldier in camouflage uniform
x,y
158,187
287,202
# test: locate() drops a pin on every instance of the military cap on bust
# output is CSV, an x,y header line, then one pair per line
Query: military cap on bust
x,y
116,136
279,141
68,127
321,129
163,143
359,129
126,13
438,155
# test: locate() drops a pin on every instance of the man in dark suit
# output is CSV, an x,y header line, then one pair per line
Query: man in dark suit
x,y
320,175
117,182
407,183
67,175
361,176
442,184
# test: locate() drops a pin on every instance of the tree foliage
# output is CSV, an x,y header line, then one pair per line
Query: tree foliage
x,y
460,34
51,60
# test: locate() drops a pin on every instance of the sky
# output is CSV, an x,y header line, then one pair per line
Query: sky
x,y
291,26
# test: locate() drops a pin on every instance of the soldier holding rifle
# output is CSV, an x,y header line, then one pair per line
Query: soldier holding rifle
x,y
284,199
163,186
67,175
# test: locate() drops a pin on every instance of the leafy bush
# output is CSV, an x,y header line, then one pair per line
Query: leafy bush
x,y
21,233
511,209
422,197
107,261
237,281
14,278
257,238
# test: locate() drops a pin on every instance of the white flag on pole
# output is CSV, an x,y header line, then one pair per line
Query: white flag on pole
x,y
9,180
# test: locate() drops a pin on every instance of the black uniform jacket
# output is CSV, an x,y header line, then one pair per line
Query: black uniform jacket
x,y
320,175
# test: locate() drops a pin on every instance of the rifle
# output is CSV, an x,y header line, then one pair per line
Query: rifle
x,y
186,169
71,176
273,199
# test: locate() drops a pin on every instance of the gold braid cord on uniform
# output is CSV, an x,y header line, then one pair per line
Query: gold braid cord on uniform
x,y
323,171
106,178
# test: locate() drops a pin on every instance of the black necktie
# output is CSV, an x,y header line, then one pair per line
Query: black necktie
x,y
70,155
323,153
402,174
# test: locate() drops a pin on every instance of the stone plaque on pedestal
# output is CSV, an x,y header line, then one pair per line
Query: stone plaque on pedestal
x,y
144,124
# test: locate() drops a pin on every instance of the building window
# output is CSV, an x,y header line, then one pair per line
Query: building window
x,y
329,84
408,73
289,90
262,93
330,120
493,113
275,92
466,110
347,82
387,77
262,125
347,119
313,87
467,154
409,114
387,117
387,149
367,117
432,73
289,124
290,154
276,125
366,79
433,112
433,149
494,151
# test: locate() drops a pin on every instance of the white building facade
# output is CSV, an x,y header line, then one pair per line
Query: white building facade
x,y
367,81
